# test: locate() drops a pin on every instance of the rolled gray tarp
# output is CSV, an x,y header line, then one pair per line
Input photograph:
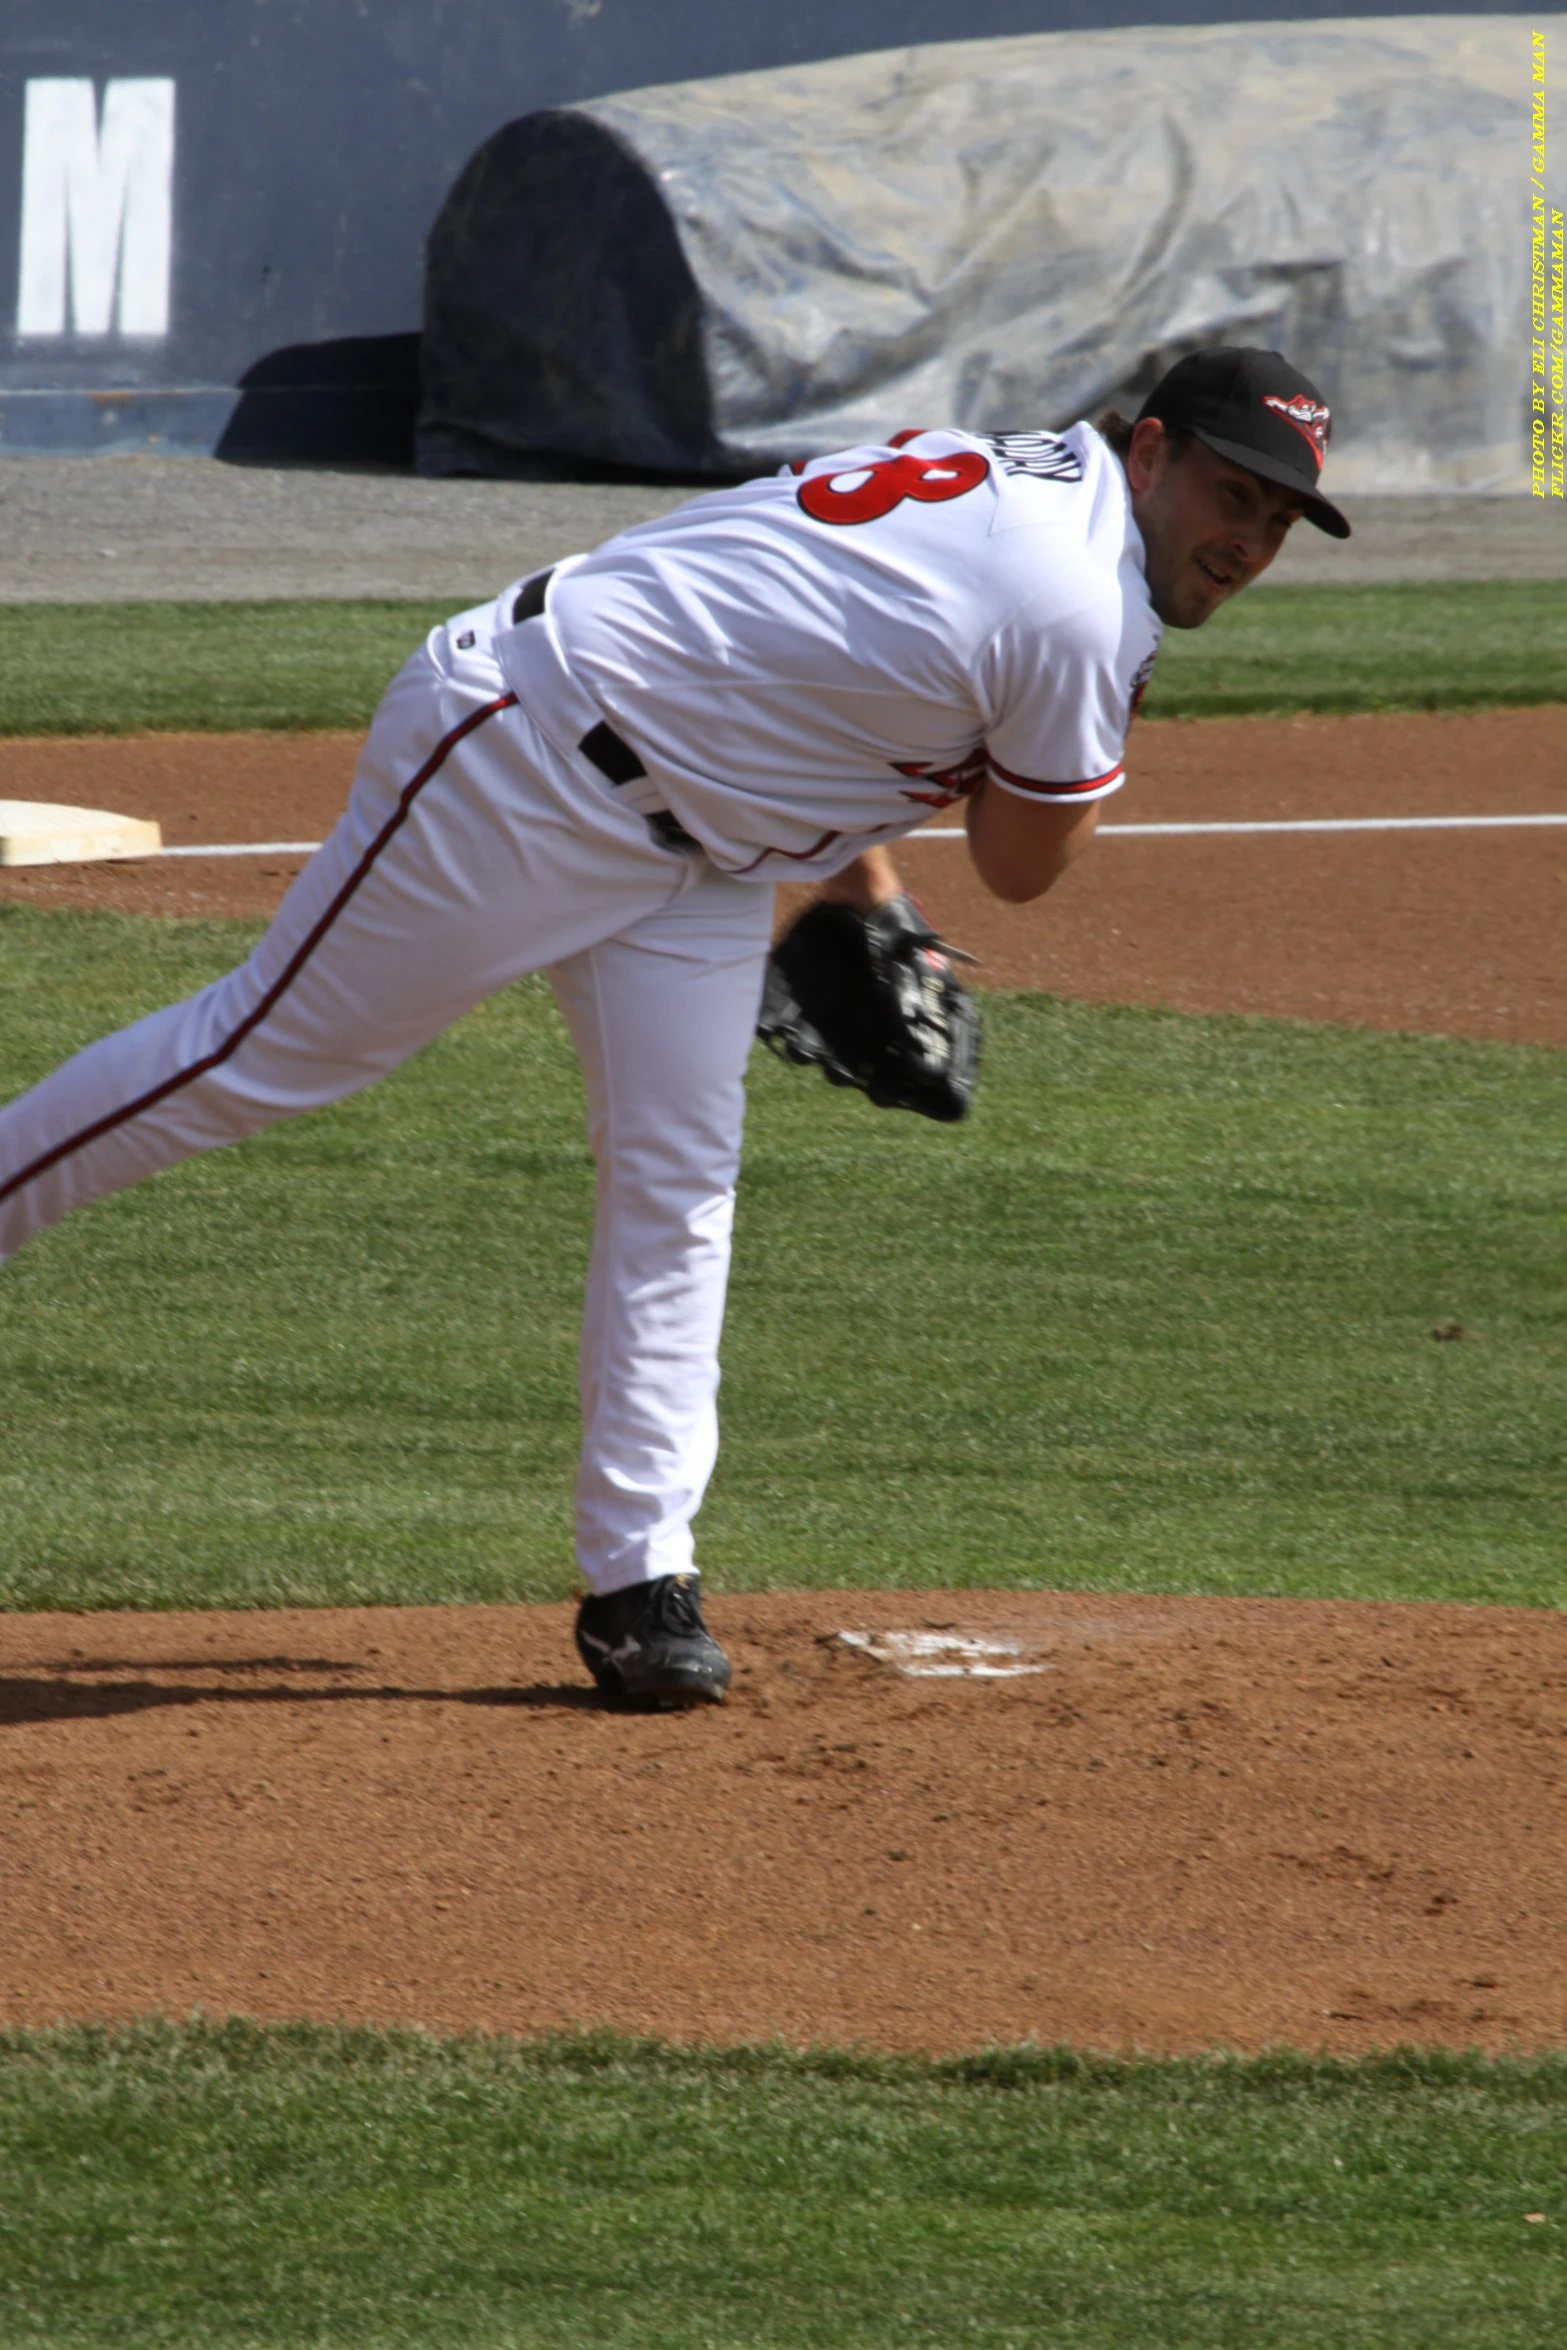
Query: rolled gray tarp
x,y
711,277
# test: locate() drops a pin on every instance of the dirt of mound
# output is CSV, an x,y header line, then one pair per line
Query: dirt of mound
x,y
1201,1823
1451,931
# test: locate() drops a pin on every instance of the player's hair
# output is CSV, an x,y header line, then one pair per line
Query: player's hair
x,y
1113,427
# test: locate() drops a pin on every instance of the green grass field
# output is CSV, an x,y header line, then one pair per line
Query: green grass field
x,y
116,668
229,2187
1157,1318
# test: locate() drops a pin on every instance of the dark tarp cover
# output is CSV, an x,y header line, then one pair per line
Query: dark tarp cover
x,y
710,277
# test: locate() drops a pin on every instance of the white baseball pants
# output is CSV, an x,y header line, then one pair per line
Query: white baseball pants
x,y
473,850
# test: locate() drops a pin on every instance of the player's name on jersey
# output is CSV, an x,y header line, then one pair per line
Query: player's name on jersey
x,y
1042,454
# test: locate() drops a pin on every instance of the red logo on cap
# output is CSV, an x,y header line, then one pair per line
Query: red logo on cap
x,y
1309,417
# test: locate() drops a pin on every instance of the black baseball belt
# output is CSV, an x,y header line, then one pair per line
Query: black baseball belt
x,y
609,752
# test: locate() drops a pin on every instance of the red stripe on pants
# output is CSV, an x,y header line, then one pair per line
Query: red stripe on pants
x,y
286,977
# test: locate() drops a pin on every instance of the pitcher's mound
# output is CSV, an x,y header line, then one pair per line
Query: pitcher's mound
x,y
1156,1823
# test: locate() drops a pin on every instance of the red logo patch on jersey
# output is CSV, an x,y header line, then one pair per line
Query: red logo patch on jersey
x,y
1309,417
951,783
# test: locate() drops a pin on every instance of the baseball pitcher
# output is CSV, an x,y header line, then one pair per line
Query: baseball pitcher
x,y
601,775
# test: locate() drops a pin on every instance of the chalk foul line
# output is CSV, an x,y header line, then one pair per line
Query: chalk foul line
x,y
1285,824
247,848
307,848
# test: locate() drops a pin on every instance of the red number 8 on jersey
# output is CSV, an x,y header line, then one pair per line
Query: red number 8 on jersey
x,y
877,489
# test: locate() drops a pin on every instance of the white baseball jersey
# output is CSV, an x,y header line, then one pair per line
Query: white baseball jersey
x,y
817,659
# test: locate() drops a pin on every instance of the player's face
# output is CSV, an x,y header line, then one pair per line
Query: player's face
x,y
1209,527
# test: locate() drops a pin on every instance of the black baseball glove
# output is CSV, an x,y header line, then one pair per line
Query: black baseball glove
x,y
872,1000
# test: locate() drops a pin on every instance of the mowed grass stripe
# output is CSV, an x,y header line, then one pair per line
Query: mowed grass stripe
x,y
124,668
1159,1317
201,668
224,2185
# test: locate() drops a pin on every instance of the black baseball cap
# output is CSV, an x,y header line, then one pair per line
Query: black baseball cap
x,y
1254,408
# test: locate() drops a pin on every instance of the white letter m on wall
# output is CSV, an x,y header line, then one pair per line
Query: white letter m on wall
x,y
97,208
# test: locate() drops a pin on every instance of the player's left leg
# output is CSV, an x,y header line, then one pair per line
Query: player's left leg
x,y
662,1017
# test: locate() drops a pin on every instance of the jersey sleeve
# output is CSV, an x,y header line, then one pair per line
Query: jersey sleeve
x,y
1059,694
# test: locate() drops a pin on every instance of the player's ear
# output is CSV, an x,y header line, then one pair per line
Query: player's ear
x,y
1147,453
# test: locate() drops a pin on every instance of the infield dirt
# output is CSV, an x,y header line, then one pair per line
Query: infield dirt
x,y
1198,1823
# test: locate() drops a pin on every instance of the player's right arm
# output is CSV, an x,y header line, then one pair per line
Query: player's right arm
x,y
1058,687
1021,847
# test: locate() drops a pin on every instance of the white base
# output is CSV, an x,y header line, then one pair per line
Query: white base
x,y
947,1656
35,832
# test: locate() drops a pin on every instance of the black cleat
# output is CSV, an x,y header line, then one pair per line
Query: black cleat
x,y
648,1645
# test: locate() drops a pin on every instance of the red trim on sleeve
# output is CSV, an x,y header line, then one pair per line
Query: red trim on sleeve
x,y
1059,791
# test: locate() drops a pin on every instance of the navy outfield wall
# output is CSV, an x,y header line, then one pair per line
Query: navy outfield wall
x,y
213,213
